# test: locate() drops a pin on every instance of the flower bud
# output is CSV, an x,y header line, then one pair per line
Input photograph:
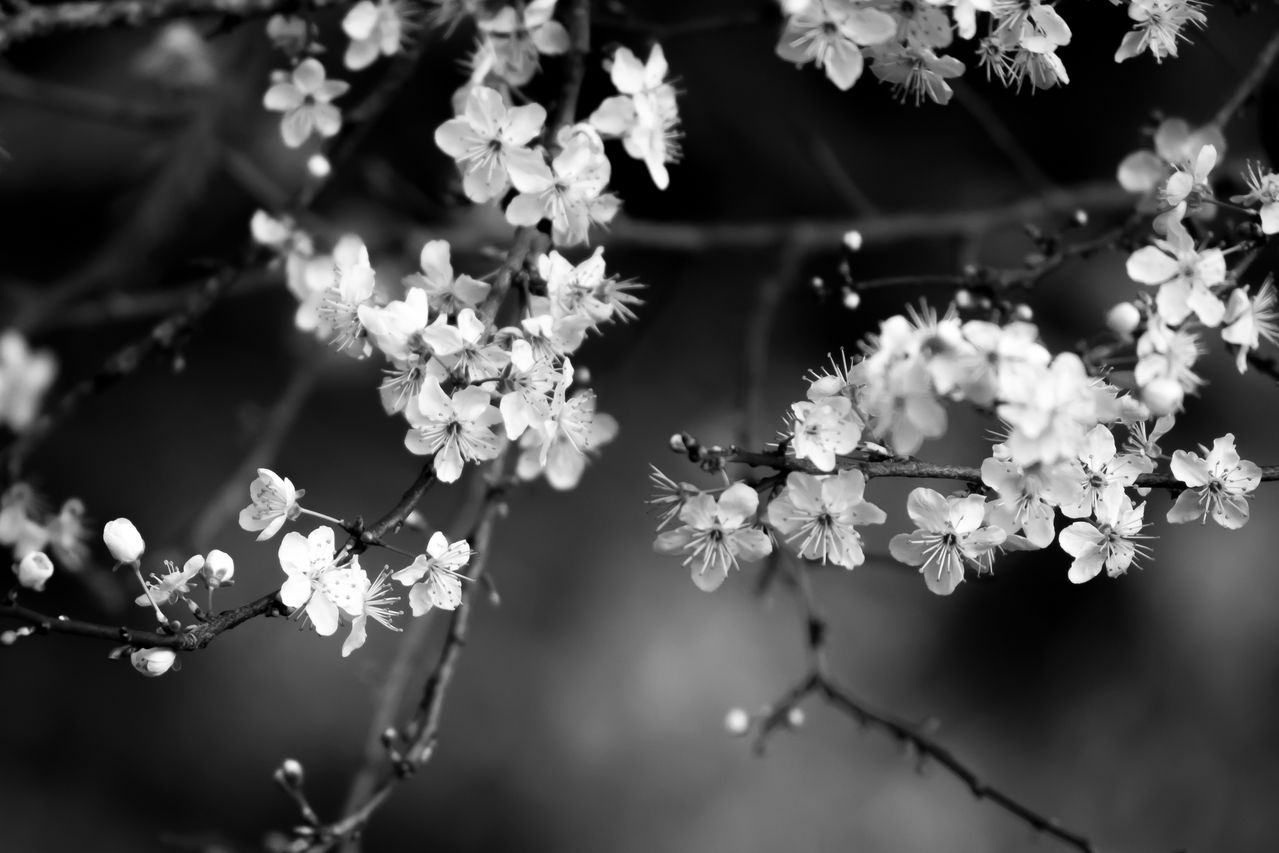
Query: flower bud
x,y
153,662
1123,319
795,717
737,722
219,568
677,443
1163,396
853,240
123,540
318,165
852,299
1024,313
34,570
290,774
964,298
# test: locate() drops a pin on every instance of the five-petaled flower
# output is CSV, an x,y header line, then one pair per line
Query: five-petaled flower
x,y
274,501
1108,544
819,515
489,142
305,98
1219,484
717,535
951,533
457,429
435,577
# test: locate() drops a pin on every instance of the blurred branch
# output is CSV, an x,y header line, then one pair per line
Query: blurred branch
x,y
818,681
228,499
1234,103
38,21
758,336
86,104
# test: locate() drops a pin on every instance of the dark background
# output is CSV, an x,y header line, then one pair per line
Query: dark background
x,y
588,711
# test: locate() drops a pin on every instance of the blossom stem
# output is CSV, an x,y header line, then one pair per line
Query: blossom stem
x,y
339,522
159,614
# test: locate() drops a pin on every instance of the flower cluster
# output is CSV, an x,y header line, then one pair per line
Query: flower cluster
x,y
903,41
27,527
25,376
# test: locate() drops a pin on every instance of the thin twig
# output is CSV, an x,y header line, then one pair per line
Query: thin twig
x,y
86,104
1248,84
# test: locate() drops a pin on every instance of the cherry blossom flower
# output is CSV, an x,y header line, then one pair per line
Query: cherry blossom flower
x,y
582,290
830,34
950,533
570,191
25,376
558,447
1028,19
315,582
401,329
825,429
479,357
455,429
818,515
67,532
645,116
517,40
1103,474
1108,544
435,577
446,293
352,287
1165,361
1185,277
34,570
19,526
273,501
1219,485
669,497
1157,27
305,97
531,381
1263,189
1176,147
1028,496
173,585
1190,178
375,29
219,568
916,72
1248,320
1050,410
716,535
364,600
965,14
489,141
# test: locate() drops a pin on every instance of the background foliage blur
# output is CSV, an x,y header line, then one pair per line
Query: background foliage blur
x,y
588,714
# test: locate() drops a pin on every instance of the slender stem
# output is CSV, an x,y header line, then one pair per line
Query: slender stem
x,y
339,522
146,590
1248,84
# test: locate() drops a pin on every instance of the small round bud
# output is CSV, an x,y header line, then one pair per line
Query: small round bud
x,y
1024,312
290,773
153,662
1123,319
219,568
677,443
817,283
1080,217
34,570
737,722
582,376
1163,396
853,241
852,299
318,166
123,540
795,717
964,298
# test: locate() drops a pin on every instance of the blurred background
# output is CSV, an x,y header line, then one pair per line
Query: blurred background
x,y
588,711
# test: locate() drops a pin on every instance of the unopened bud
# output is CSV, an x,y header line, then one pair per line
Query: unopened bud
x,y
153,662
964,298
795,717
219,568
290,774
1024,312
1080,217
318,166
123,540
852,299
677,443
582,376
853,241
817,283
737,722
34,570
1123,319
